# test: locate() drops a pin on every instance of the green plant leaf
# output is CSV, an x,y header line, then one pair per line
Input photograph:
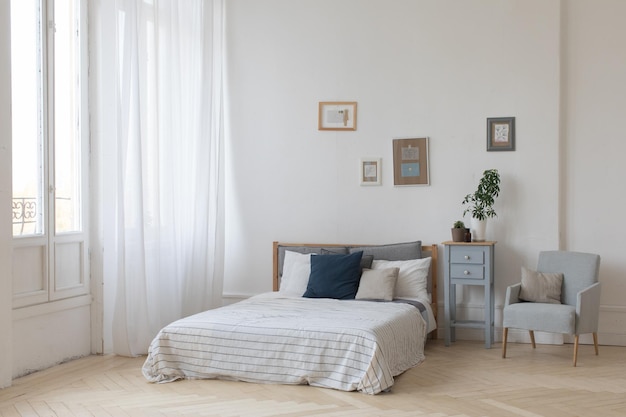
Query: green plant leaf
x,y
480,202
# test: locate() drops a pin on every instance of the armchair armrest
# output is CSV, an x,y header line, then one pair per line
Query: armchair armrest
x,y
588,309
512,294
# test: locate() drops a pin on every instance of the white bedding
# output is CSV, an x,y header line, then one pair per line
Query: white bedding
x,y
272,338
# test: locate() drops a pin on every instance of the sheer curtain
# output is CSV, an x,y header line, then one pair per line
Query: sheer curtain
x,y
165,177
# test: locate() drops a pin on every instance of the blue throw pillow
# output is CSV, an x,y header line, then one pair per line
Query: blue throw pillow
x,y
334,276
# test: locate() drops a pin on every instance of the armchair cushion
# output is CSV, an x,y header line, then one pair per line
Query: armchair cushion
x,y
532,316
541,287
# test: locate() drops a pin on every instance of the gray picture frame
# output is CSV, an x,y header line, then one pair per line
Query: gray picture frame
x,y
500,134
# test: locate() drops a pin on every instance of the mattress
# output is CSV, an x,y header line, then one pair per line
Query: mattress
x,y
349,345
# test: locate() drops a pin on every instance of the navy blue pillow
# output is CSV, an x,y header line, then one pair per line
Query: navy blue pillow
x,y
334,276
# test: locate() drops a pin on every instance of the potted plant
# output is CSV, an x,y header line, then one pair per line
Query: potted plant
x,y
480,202
458,231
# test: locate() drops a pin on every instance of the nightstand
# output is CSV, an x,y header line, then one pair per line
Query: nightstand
x,y
468,263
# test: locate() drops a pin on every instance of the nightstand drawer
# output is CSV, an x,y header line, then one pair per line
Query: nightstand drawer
x,y
467,254
467,271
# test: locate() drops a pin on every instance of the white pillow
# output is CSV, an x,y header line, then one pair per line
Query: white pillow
x,y
296,271
413,277
377,284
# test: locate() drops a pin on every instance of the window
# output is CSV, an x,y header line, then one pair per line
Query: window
x,y
49,150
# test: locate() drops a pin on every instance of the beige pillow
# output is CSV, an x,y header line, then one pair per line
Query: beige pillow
x,y
412,278
377,284
541,287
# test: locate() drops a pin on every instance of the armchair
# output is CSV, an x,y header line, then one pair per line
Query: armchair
x,y
580,300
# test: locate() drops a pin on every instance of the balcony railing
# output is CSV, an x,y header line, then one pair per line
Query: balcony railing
x,y
24,214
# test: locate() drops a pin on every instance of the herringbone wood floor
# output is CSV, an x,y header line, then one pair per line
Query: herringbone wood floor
x,y
461,380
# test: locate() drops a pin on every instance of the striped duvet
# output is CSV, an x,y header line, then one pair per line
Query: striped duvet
x,y
269,338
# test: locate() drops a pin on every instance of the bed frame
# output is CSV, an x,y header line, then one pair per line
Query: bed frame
x,y
427,250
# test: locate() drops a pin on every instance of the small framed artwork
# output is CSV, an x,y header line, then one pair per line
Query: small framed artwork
x,y
370,171
501,134
337,115
410,161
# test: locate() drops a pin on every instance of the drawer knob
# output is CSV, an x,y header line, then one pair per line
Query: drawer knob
x,y
466,272
467,257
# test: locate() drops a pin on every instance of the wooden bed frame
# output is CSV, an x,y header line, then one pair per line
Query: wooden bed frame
x,y
427,250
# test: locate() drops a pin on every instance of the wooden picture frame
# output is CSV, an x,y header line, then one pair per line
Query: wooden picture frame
x,y
501,134
370,171
337,115
410,162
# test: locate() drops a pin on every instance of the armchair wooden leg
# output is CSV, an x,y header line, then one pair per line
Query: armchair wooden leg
x,y
595,342
505,333
532,338
575,349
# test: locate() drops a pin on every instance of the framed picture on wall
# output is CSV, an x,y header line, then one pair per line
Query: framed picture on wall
x,y
337,115
370,171
501,134
410,161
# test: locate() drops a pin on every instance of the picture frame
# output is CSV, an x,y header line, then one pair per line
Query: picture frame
x,y
337,115
411,162
370,171
500,134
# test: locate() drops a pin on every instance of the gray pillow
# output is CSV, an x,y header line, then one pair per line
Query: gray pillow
x,y
393,252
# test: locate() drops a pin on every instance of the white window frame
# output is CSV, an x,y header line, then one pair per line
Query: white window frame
x,y
45,283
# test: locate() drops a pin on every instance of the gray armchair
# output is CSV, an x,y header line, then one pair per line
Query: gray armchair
x,y
580,300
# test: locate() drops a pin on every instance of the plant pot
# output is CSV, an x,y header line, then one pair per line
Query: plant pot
x,y
478,230
458,234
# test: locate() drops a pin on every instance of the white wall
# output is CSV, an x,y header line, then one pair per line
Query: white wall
x,y
437,69
103,125
595,102
416,68
6,290
45,336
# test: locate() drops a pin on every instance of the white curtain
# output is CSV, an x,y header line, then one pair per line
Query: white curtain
x,y
166,174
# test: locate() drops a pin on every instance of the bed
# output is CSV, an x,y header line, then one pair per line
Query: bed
x,y
336,334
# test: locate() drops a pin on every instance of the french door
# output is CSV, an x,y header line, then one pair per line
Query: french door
x,y
50,151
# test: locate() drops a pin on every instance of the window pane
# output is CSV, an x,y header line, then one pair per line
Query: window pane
x,y
27,117
67,149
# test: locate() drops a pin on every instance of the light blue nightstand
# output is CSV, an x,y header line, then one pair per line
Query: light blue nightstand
x,y
470,263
